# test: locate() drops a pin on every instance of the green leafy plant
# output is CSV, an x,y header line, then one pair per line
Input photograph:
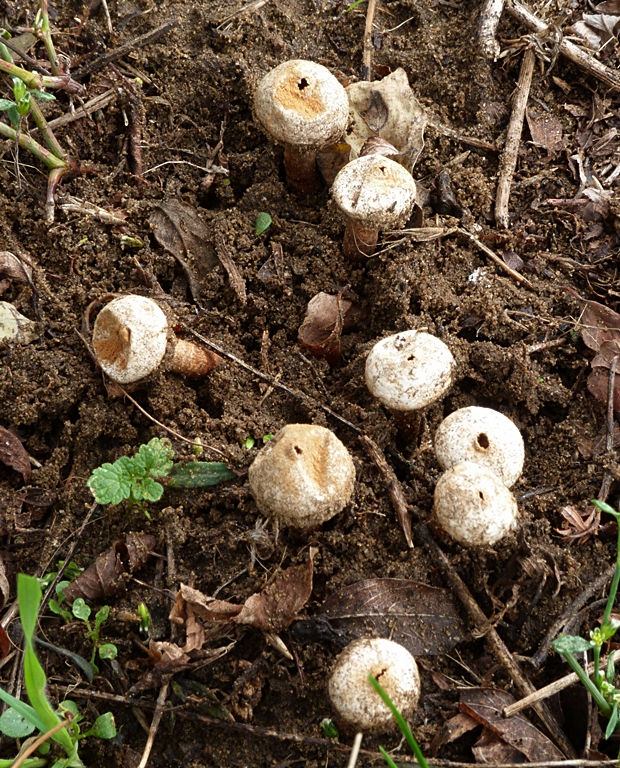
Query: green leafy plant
x,y
263,222
81,611
601,684
21,719
131,478
22,103
402,724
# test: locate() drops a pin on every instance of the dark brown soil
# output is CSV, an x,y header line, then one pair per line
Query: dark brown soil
x,y
196,79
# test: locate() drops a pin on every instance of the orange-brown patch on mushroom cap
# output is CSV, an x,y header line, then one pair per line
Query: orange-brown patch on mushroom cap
x,y
303,477
129,338
301,104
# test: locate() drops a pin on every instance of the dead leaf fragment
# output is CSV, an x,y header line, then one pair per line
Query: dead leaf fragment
x,y
179,230
326,318
14,326
425,620
109,573
277,606
491,748
13,454
579,525
226,260
486,705
14,268
545,130
389,109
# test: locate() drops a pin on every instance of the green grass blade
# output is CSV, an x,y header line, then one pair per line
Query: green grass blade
x,y
401,722
29,599
387,758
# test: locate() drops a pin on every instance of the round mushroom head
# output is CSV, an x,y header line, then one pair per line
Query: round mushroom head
x,y
302,104
129,338
473,506
357,703
483,436
303,477
376,191
409,370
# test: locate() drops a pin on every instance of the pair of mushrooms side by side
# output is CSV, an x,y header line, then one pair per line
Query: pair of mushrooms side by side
x,y
303,107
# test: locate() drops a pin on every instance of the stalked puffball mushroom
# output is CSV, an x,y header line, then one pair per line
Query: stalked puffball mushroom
x,y
356,702
373,193
302,106
473,506
303,477
131,338
483,436
409,370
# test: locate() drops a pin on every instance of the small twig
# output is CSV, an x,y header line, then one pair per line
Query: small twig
x,y
355,750
368,44
496,644
578,56
159,710
271,379
19,760
234,276
611,390
549,690
490,14
85,110
494,257
32,63
540,346
508,159
394,488
118,53
567,615
470,141
253,6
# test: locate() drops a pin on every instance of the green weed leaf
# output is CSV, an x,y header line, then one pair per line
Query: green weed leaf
x,y
155,457
80,609
108,651
199,474
101,616
13,725
613,722
6,104
110,483
571,644
263,222
43,95
149,490
55,607
104,726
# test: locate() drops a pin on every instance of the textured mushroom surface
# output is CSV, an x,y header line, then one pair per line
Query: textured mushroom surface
x,y
357,703
302,104
129,338
303,477
409,370
376,191
473,506
483,436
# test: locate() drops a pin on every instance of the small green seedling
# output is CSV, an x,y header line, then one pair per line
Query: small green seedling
x,y
330,731
39,714
263,222
72,571
146,622
402,724
353,6
131,478
601,685
82,612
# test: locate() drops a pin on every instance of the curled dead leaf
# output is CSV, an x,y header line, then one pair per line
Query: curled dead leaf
x,y
326,318
14,268
13,454
14,326
109,573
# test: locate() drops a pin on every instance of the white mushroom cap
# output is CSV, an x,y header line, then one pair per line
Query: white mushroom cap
x,y
303,477
409,370
483,436
376,191
129,338
357,703
302,104
473,506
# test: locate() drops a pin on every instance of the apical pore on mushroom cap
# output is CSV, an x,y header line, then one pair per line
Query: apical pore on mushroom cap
x,y
303,477
357,704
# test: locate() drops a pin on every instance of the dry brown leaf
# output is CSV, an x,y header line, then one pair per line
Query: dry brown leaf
x,y
207,608
579,527
486,706
490,748
423,619
14,268
179,230
326,318
14,326
277,606
226,260
545,130
109,573
452,730
13,454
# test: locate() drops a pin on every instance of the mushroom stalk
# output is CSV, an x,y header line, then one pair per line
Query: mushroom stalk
x,y
301,170
193,361
359,241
